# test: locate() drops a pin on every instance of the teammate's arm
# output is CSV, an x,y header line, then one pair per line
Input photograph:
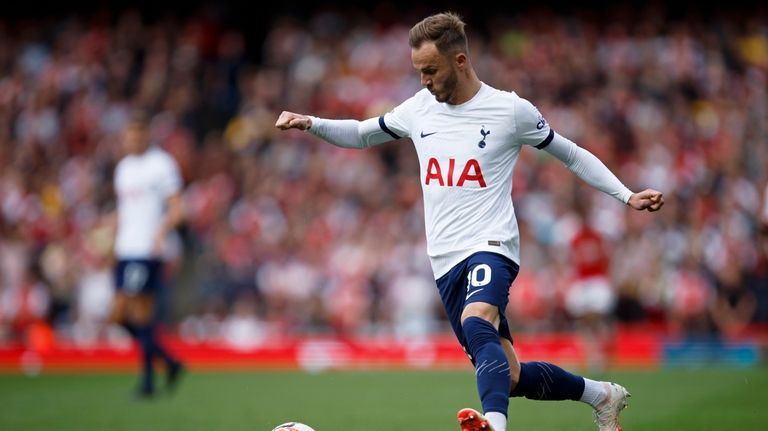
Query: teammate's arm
x,y
170,186
342,133
173,217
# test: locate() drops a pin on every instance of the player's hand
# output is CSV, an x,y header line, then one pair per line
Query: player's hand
x,y
289,120
648,199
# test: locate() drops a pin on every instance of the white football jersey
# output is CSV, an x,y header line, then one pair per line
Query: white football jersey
x,y
466,156
143,183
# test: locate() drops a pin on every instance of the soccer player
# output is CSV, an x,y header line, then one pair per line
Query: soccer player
x,y
468,136
147,184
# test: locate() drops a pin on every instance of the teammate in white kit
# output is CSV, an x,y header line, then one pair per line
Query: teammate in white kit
x,y
147,185
468,136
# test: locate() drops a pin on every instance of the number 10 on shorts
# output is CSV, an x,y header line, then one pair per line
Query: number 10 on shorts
x,y
478,277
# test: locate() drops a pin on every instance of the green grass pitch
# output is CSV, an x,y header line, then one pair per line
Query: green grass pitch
x,y
677,399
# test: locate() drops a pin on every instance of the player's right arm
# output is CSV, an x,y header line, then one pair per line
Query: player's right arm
x,y
353,133
290,120
342,133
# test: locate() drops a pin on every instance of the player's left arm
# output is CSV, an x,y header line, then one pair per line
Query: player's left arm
x,y
174,212
170,185
532,129
590,169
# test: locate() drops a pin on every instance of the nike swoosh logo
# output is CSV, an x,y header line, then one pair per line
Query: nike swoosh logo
x,y
424,135
472,293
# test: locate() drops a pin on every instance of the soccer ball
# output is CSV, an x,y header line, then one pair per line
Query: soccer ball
x,y
293,426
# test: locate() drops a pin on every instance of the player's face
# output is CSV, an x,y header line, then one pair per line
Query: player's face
x,y
438,73
136,138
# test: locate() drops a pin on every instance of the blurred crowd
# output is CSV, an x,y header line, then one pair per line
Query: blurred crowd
x,y
285,234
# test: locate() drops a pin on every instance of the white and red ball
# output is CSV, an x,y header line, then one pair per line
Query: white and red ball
x,y
293,426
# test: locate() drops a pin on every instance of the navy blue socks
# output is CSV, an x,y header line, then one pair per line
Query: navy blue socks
x,y
146,342
491,365
545,381
150,349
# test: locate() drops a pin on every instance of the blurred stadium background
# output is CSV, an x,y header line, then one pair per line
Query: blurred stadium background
x,y
296,254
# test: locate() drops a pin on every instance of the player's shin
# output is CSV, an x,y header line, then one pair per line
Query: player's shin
x,y
547,382
491,365
146,343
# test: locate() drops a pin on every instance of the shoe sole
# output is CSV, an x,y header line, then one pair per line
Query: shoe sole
x,y
472,420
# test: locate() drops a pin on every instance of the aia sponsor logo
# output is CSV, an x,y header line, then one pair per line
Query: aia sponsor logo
x,y
445,176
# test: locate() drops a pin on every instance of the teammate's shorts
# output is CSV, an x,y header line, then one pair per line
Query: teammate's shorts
x,y
592,295
134,276
482,277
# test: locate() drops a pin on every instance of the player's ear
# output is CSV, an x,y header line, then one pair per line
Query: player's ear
x,y
461,59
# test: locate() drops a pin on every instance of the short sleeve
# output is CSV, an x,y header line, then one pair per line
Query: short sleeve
x,y
397,122
531,127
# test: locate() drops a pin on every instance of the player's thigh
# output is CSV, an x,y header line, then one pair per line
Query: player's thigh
x,y
138,282
118,312
489,276
141,308
455,293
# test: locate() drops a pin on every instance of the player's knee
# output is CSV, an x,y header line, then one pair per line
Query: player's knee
x,y
483,310
479,333
140,310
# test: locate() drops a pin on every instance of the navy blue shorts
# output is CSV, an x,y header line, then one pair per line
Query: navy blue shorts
x,y
482,277
134,276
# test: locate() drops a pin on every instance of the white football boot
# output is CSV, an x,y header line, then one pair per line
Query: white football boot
x,y
606,414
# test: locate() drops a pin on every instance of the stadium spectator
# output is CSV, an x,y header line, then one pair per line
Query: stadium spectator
x,y
590,297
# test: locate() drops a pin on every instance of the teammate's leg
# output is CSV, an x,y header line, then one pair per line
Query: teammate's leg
x,y
141,306
129,280
146,330
173,366
118,314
